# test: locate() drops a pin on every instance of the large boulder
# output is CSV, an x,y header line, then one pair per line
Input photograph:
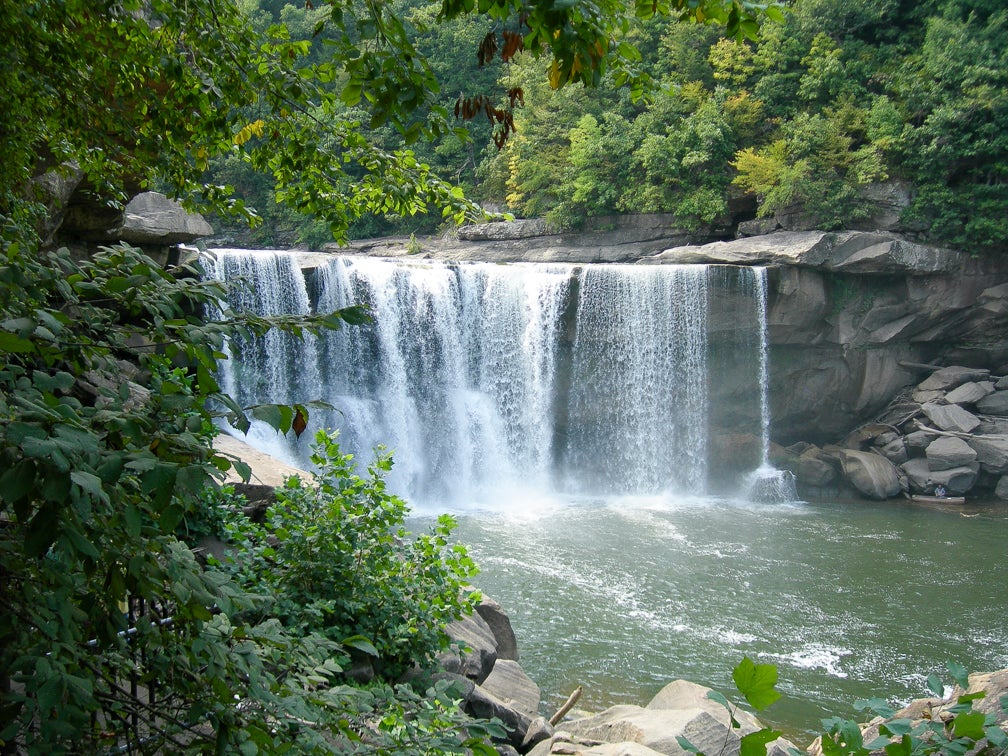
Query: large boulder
x,y
508,683
152,218
970,392
986,691
957,481
660,729
951,417
991,452
871,474
474,649
948,452
500,625
950,377
994,404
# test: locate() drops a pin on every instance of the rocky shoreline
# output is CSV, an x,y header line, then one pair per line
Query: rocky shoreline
x,y
949,434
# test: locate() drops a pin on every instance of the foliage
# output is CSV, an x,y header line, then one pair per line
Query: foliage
x,y
107,377
334,557
951,726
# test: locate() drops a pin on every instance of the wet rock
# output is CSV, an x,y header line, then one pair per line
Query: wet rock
x,y
812,470
871,474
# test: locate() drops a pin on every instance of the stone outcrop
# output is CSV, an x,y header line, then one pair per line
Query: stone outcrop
x,y
149,219
680,710
915,447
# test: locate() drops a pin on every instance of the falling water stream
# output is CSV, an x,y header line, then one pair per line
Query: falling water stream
x,y
566,416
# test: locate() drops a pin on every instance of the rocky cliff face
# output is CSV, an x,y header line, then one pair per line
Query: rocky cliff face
x,y
856,317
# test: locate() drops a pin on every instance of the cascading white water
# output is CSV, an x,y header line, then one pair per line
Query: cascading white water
x,y
639,380
766,483
495,381
277,367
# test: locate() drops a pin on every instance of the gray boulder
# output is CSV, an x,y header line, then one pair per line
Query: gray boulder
x,y
948,452
500,626
568,744
957,481
970,392
659,729
991,452
1001,489
502,230
918,439
152,218
994,404
950,377
951,417
812,470
871,474
474,649
508,683
481,703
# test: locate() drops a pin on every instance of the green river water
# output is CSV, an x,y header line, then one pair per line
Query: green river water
x,y
849,600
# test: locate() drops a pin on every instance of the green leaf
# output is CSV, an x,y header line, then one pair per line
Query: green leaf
x,y
361,643
18,481
12,344
754,744
89,483
901,747
936,686
756,682
996,736
959,674
42,531
686,745
969,725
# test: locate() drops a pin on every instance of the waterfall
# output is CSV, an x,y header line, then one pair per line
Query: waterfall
x,y
491,381
766,483
639,380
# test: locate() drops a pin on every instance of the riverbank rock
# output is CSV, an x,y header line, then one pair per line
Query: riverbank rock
x,y
986,689
680,710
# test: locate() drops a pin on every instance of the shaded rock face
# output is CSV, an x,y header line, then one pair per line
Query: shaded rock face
x,y
914,448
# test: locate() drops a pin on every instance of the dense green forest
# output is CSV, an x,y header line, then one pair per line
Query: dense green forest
x,y
841,95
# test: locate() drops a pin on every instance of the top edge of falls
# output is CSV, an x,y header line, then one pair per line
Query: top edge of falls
x,y
846,251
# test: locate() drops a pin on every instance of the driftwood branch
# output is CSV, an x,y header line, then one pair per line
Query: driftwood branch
x,y
568,705
935,431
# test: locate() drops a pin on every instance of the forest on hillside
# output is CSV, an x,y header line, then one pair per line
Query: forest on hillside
x,y
837,96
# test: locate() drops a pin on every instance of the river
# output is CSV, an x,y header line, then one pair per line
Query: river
x,y
850,600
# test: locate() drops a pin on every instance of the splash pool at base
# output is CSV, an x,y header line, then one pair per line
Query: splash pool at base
x,y
851,600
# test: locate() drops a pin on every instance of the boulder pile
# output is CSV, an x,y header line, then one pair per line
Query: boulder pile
x,y
949,432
